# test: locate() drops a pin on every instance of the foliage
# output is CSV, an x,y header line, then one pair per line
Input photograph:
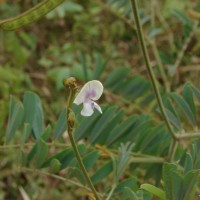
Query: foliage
x,y
127,151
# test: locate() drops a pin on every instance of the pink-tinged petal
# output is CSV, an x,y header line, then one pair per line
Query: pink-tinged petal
x,y
92,90
96,89
87,109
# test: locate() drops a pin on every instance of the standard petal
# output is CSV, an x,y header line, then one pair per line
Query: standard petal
x,y
97,107
96,89
92,90
79,98
87,109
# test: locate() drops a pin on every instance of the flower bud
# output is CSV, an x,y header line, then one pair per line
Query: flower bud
x,y
70,82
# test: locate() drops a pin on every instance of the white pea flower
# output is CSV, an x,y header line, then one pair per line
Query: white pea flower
x,y
90,92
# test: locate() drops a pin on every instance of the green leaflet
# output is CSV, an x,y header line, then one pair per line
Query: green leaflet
x,y
175,121
105,120
116,77
55,165
16,115
88,161
129,182
154,190
61,156
46,134
85,127
64,157
177,186
39,153
129,194
189,185
188,96
196,91
101,139
30,16
102,173
188,163
84,65
138,84
33,113
182,103
91,159
76,172
172,113
61,124
26,133
172,180
120,130
155,138
100,66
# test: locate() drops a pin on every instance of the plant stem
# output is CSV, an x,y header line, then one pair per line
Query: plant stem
x,y
155,49
188,136
55,176
70,130
172,150
80,162
147,160
149,69
160,65
110,193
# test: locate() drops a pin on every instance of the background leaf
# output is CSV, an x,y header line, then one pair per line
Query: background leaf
x,y
16,115
33,113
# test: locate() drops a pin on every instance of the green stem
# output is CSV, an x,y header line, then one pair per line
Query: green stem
x,y
155,49
160,65
149,69
78,157
12,146
172,150
55,176
110,193
188,136
70,128
147,160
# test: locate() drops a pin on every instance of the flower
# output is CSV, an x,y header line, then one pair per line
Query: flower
x,y
90,92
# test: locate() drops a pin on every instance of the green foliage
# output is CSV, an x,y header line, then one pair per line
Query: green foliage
x,y
121,163
16,115
33,113
154,190
61,125
130,183
128,144
102,172
178,186
186,110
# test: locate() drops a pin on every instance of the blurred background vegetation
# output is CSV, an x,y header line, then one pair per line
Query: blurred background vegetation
x,y
92,40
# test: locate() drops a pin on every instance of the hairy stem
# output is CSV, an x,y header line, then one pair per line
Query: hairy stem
x,y
149,69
